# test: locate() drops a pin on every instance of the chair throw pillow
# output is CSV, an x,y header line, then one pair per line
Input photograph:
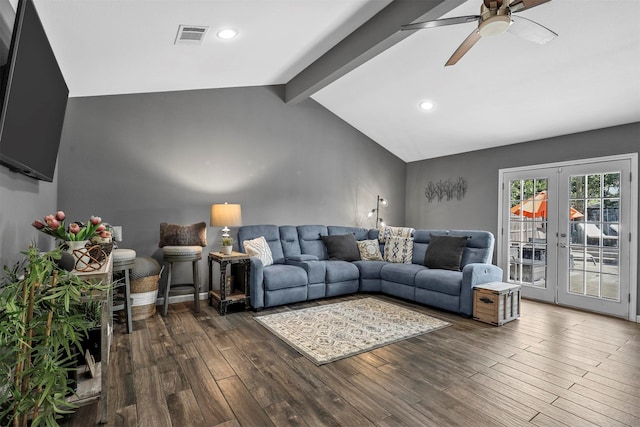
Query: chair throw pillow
x,y
369,250
260,249
342,247
183,235
398,250
445,252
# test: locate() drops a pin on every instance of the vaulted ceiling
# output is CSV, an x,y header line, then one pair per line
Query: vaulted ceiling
x,y
352,57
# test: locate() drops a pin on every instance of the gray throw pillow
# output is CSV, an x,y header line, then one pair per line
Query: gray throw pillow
x,y
342,247
445,252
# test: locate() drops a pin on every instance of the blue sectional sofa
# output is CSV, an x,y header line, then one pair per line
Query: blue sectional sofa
x,y
302,270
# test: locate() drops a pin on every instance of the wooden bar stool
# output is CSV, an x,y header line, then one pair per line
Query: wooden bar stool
x,y
182,243
192,254
123,262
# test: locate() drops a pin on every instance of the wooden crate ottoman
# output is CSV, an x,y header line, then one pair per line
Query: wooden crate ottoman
x,y
496,303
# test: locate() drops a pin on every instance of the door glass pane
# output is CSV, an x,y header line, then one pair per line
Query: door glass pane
x,y
594,269
528,232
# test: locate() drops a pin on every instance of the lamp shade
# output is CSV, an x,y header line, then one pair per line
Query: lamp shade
x,y
226,215
116,233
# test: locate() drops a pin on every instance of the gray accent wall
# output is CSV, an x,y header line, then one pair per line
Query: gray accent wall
x,y
479,208
139,160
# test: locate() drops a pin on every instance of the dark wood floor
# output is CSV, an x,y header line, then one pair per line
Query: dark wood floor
x,y
552,367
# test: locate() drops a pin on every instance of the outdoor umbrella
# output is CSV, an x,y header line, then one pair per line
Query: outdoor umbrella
x,y
536,207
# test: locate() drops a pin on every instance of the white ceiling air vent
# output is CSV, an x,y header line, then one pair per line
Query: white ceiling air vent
x,y
191,34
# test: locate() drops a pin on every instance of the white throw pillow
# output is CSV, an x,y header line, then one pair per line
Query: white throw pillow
x,y
369,250
398,249
259,248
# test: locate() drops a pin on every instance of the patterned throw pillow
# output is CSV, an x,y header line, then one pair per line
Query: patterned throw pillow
x,y
369,250
398,249
388,231
183,235
260,249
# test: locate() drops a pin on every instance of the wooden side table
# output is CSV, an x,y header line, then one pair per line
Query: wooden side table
x,y
90,390
232,291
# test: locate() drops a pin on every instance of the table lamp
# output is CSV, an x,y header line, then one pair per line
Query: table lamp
x,y
225,215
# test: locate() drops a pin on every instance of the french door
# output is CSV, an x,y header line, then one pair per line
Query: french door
x,y
567,234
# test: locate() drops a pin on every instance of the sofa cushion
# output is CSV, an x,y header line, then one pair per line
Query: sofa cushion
x,y
310,241
358,232
369,250
289,241
370,269
282,276
303,257
259,248
342,247
442,281
445,252
183,235
341,271
398,249
479,246
401,273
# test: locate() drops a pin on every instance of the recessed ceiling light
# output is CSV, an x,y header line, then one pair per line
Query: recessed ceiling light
x,y
426,105
227,33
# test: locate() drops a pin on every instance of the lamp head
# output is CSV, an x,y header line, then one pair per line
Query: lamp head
x,y
116,233
225,215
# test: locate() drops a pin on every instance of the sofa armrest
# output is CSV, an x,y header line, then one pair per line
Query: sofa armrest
x,y
256,282
316,270
473,275
303,257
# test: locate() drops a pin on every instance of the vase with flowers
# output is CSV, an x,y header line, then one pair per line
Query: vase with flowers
x,y
76,236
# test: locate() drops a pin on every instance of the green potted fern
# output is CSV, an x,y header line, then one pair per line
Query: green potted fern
x,y
42,323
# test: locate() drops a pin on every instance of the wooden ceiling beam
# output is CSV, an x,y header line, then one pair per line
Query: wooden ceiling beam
x,y
374,37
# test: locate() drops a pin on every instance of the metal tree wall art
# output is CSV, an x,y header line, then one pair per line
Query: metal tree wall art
x,y
446,190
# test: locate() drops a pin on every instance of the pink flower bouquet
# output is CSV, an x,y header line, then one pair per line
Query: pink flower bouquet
x,y
53,225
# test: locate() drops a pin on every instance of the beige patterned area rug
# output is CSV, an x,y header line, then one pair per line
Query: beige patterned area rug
x,y
331,332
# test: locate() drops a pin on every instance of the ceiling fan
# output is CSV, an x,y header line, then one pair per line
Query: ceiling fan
x,y
495,18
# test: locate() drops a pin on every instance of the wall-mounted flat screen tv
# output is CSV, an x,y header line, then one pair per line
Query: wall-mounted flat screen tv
x,y
33,98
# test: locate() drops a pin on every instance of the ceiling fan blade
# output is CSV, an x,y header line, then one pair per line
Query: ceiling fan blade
x,y
441,22
531,30
520,5
464,47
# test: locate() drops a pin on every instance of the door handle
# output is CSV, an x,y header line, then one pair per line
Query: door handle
x,y
563,245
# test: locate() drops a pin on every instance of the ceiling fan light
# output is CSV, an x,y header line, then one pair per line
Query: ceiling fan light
x,y
495,25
